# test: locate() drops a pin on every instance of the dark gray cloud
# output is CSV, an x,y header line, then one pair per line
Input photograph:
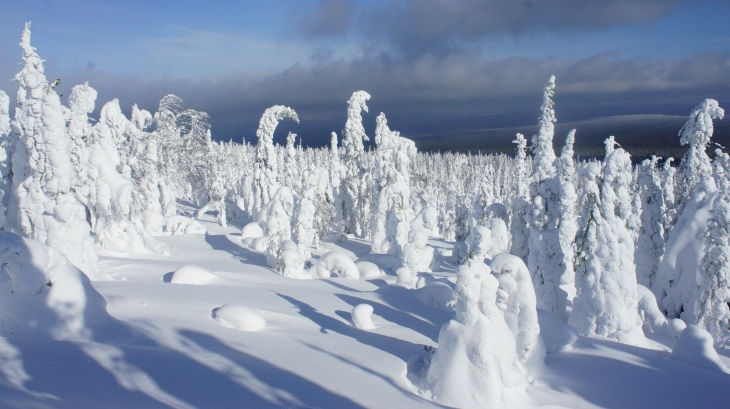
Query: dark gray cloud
x,y
417,27
328,18
431,96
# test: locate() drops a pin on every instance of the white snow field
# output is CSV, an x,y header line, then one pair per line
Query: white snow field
x,y
158,345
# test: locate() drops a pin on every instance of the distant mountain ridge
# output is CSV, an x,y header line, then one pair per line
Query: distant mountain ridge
x,y
641,135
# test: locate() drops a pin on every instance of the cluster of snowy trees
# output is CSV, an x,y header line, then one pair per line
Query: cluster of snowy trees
x,y
603,245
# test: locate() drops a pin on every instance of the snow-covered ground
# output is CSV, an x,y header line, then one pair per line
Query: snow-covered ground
x,y
163,348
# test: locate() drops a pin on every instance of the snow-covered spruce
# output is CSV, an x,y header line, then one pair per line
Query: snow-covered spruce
x,y
5,146
650,243
606,304
353,153
545,259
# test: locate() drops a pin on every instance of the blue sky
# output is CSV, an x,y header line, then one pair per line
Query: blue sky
x,y
429,64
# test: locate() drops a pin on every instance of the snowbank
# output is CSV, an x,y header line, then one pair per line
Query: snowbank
x,y
240,317
41,291
192,274
695,346
435,294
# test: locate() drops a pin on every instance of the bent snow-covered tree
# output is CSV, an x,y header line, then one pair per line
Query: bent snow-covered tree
x,y
266,173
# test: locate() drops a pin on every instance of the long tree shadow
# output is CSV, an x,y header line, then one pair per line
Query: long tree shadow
x,y
223,243
394,346
646,379
403,299
296,390
400,318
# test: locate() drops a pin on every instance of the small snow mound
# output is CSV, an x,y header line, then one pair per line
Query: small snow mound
x,y
435,294
252,230
335,263
369,270
192,274
240,317
695,346
183,225
257,244
362,316
556,333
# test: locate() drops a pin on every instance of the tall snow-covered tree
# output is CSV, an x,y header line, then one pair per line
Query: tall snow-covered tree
x,y
606,304
695,164
677,277
568,215
81,103
520,226
42,205
711,310
5,145
545,258
651,241
353,158
266,173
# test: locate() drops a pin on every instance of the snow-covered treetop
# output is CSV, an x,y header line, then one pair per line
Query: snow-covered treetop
x,y
31,75
270,119
542,142
141,118
82,99
567,151
354,133
698,129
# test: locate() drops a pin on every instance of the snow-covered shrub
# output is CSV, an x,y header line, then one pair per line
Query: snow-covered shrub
x,y
193,275
516,297
239,317
276,220
654,320
362,316
335,263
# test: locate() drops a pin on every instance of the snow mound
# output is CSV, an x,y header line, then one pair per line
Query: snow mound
x,y
387,262
556,333
435,294
192,274
695,346
337,264
369,270
240,317
183,225
251,230
654,320
362,316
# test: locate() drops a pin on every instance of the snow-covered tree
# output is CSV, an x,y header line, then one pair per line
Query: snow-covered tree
x,y
568,215
520,226
391,216
677,277
353,158
5,145
711,310
695,164
476,364
606,304
266,173
651,241
43,206
545,258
